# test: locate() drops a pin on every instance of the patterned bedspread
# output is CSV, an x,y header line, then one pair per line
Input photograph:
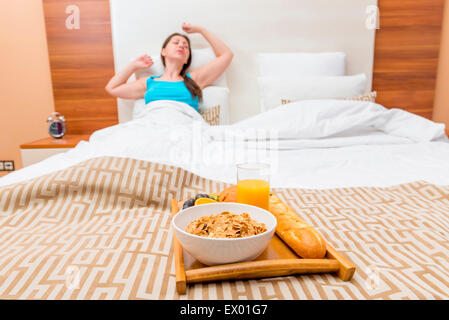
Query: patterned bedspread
x,y
101,230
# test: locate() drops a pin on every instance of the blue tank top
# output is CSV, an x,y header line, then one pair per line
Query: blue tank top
x,y
169,90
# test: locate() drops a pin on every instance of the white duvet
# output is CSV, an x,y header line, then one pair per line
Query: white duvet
x,y
310,144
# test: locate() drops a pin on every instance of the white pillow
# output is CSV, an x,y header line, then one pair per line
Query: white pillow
x,y
200,57
212,96
292,64
275,89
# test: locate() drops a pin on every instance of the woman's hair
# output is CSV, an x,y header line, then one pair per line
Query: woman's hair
x,y
191,85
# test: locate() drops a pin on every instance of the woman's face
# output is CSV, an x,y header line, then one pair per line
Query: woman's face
x,y
177,48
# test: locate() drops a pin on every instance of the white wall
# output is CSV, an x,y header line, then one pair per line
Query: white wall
x,y
247,27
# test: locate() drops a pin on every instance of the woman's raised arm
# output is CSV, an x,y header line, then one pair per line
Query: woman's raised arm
x,y
119,88
207,74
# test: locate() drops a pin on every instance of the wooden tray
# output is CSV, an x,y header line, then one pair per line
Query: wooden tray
x,y
277,260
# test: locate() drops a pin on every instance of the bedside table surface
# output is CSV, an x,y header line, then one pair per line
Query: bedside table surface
x,y
68,141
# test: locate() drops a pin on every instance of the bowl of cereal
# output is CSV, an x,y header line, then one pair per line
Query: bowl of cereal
x,y
224,232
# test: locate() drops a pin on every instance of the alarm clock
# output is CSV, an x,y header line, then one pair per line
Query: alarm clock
x,y
56,127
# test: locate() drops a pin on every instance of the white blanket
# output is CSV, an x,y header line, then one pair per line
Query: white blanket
x,y
311,144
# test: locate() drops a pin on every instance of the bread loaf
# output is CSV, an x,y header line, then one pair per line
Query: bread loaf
x,y
295,232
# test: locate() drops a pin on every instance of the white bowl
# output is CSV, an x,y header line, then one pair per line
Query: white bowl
x,y
213,251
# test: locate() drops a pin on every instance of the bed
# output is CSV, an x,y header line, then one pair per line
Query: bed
x,y
94,222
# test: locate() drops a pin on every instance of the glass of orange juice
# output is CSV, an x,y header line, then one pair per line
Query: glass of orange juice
x,y
253,184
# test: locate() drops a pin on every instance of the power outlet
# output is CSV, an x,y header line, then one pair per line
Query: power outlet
x,y
7,165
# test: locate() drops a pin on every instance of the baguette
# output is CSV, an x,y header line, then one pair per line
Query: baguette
x,y
294,231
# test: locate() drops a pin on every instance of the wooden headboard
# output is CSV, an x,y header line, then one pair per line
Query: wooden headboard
x,y
81,60
406,54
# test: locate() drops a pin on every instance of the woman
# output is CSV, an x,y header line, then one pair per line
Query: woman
x,y
175,83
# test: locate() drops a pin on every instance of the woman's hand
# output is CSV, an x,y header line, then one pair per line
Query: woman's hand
x,y
143,61
190,28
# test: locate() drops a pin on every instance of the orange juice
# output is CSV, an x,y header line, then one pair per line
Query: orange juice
x,y
253,192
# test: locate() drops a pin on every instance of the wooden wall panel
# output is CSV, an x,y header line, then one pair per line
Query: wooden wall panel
x,y
81,62
406,54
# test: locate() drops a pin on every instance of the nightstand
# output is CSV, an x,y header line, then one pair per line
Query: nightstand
x,y
39,150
